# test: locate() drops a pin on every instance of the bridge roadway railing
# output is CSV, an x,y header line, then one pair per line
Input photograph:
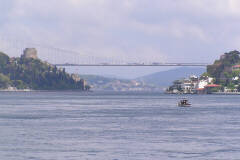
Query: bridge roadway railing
x,y
136,64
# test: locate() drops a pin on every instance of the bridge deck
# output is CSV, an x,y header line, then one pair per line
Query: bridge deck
x,y
137,65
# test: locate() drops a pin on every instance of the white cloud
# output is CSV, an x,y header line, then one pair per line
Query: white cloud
x,y
216,8
157,29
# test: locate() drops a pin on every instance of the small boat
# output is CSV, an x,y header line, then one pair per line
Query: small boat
x,y
184,103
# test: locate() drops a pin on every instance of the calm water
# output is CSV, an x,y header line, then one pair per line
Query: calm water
x,y
117,126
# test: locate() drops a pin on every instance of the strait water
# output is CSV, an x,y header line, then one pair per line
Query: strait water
x,y
117,126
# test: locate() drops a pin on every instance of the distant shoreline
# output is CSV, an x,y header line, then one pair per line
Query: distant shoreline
x,y
16,90
30,90
226,93
213,93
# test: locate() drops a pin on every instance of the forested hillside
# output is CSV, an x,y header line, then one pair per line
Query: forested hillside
x,y
226,70
32,73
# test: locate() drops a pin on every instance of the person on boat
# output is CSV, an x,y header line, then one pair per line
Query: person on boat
x,y
184,102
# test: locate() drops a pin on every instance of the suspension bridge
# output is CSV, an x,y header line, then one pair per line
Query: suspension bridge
x,y
67,58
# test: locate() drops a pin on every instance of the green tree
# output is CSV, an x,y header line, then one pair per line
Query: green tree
x,y
4,81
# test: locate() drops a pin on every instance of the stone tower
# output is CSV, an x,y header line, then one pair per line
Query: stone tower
x,y
30,53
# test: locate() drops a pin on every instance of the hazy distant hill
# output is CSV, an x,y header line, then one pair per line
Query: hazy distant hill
x,y
154,81
165,78
98,80
114,84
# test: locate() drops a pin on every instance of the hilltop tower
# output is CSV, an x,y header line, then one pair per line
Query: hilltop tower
x,y
30,53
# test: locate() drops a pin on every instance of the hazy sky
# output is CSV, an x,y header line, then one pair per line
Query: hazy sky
x,y
151,30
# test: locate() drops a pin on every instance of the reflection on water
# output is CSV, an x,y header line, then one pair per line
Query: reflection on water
x,y
117,126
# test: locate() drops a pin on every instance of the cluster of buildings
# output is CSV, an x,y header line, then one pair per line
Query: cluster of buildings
x,y
121,85
194,85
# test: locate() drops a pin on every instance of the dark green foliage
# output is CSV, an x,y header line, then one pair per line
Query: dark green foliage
x,y
4,81
19,84
4,61
34,74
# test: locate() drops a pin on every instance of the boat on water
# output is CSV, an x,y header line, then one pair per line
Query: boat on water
x,y
184,103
